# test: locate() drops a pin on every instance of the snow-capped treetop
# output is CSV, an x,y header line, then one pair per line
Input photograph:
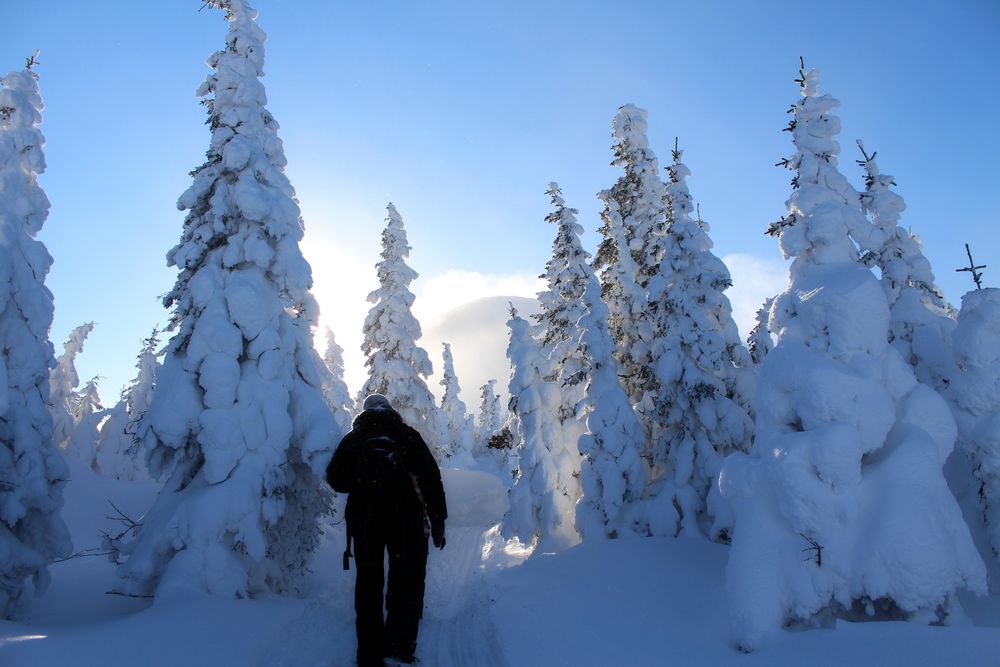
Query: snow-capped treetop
x,y
32,532
824,210
241,194
397,366
488,420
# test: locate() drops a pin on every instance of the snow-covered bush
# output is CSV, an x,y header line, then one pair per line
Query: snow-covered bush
x,y
847,463
540,514
237,426
32,471
703,374
398,368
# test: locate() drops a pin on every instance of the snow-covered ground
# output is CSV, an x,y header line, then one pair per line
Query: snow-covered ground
x,y
623,602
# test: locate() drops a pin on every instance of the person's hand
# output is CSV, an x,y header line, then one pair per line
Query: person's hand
x,y
437,534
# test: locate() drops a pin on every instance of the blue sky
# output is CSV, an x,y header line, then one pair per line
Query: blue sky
x,y
461,113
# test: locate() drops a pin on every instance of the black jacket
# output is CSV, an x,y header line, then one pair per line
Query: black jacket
x,y
417,457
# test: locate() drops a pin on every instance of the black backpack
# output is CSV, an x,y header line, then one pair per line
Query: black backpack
x,y
383,480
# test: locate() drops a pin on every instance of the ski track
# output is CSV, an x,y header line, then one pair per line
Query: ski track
x,y
457,629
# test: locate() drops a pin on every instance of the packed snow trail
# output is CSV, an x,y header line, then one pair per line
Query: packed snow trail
x,y
457,628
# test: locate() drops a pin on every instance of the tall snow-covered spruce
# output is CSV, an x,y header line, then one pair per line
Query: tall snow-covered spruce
x,y
540,513
237,425
398,368
32,471
703,374
846,467
567,274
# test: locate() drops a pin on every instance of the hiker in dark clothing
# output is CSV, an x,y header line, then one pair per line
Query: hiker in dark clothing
x,y
396,500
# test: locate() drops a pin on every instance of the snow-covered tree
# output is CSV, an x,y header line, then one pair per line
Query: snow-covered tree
x,y
566,274
488,418
629,254
118,453
460,430
237,426
613,475
846,466
759,342
397,367
703,373
921,319
87,417
32,471
540,514
974,392
63,380
335,392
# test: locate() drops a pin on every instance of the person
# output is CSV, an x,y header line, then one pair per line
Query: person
x,y
395,499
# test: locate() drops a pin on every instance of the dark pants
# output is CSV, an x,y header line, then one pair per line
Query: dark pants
x,y
403,536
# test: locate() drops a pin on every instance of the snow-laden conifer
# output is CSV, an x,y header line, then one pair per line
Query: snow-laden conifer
x,y
335,392
920,318
632,227
539,513
32,471
63,380
119,454
703,373
87,417
974,392
398,368
488,417
566,274
613,475
459,426
237,426
759,342
841,506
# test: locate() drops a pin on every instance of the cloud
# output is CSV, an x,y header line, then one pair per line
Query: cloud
x,y
442,293
754,280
